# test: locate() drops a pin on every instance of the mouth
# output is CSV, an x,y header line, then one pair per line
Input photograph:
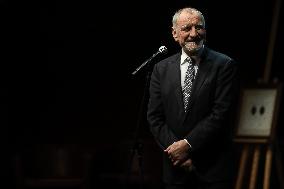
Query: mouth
x,y
193,45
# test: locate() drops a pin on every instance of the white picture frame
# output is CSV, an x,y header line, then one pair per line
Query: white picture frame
x,y
258,111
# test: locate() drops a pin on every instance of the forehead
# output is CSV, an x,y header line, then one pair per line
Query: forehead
x,y
189,17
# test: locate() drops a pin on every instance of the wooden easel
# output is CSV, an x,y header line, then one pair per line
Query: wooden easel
x,y
271,143
270,150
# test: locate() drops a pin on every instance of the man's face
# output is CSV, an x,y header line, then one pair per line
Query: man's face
x,y
190,31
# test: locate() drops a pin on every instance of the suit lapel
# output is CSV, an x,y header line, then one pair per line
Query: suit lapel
x,y
175,75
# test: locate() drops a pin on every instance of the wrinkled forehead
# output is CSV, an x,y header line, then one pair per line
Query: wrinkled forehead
x,y
190,17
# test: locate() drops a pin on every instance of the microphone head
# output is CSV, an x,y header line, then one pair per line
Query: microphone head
x,y
163,50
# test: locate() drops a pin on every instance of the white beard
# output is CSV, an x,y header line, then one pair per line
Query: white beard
x,y
192,46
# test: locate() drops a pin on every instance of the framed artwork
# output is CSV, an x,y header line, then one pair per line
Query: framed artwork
x,y
258,111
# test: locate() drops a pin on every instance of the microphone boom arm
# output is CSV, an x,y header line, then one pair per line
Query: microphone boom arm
x,y
161,50
144,63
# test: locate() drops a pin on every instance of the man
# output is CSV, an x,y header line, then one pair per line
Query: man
x,y
192,98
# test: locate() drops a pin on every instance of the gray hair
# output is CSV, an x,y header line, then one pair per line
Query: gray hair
x,y
187,9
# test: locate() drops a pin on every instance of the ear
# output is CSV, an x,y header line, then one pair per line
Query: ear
x,y
203,34
175,35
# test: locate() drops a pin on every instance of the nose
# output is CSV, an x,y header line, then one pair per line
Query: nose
x,y
193,32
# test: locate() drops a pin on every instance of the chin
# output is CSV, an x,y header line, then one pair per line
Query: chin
x,y
192,50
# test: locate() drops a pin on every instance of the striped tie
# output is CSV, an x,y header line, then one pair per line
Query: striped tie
x,y
189,77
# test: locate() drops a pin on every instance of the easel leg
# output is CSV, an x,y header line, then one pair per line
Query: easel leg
x,y
267,170
241,171
254,169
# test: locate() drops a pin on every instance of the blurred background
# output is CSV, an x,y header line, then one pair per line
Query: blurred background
x,y
69,102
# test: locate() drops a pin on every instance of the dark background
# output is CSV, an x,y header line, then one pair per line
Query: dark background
x,y
66,68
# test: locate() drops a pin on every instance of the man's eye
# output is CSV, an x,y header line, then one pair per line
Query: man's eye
x,y
187,28
199,27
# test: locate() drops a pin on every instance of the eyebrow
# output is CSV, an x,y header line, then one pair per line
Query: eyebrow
x,y
190,25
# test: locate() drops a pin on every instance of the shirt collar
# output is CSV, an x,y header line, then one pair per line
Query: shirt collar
x,y
183,57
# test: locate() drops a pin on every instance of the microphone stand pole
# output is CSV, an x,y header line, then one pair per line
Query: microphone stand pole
x,y
137,148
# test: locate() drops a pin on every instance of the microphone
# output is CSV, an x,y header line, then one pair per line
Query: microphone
x,y
162,50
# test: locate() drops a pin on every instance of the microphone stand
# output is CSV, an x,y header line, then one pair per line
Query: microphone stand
x,y
137,148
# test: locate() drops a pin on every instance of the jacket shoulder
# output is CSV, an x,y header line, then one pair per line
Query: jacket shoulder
x,y
219,58
169,60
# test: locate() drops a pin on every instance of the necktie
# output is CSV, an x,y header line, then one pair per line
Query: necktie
x,y
189,77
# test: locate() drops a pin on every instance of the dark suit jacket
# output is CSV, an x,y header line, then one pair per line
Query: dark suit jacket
x,y
207,125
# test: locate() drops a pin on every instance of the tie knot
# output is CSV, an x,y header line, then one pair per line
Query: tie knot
x,y
190,60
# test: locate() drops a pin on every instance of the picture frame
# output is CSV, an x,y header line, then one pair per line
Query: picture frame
x,y
257,113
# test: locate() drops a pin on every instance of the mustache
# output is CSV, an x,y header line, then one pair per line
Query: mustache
x,y
197,42
196,39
